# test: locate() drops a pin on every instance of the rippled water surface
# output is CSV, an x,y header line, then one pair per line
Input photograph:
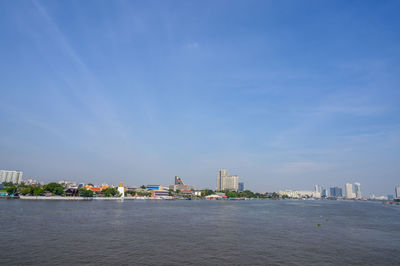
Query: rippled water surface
x,y
261,232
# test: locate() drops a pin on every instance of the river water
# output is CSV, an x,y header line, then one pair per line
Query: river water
x,y
259,232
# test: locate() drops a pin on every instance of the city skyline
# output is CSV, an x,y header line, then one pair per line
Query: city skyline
x,y
285,94
231,184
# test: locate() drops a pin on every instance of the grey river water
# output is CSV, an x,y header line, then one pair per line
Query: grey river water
x,y
135,232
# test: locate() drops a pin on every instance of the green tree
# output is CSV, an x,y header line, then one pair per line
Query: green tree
x,y
85,192
11,190
26,191
143,187
143,193
130,192
54,188
38,191
110,192
208,192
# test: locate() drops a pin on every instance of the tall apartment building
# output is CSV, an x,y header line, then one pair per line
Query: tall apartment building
x,y
10,176
317,191
349,191
336,192
397,190
241,187
357,190
226,182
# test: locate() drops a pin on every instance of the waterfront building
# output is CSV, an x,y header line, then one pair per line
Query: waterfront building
x,y
357,190
297,194
397,190
154,187
179,185
214,197
241,187
159,193
94,189
390,197
30,182
121,190
336,192
226,182
68,184
3,193
10,176
349,191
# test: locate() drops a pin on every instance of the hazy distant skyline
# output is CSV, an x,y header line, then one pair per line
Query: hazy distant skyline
x,y
284,94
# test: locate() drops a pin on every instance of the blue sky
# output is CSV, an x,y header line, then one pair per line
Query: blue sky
x,y
285,94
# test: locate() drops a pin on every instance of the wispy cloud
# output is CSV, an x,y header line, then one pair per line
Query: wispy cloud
x,y
193,45
89,92
301,167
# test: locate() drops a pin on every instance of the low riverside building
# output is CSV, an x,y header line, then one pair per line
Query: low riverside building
x,y
154,187
3,193
159,193
71,192
180,186
214,197
296,194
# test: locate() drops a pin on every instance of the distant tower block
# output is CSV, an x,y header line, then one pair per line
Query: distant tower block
x,y
121,190
178,180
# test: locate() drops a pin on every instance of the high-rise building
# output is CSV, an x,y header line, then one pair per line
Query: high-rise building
x,y
336,192
349,191
221,175
178,180
10,176
225,182
241,187
325,193
317,191
357,190
397,190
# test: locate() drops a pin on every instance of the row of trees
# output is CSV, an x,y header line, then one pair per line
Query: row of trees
x,y
57,189
52,188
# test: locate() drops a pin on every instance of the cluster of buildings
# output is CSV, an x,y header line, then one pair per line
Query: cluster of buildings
x,y
10,176
226,182
321,192
351,192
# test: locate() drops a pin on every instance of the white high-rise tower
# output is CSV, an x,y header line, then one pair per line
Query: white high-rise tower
x,y
349,191
225,182
221,176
